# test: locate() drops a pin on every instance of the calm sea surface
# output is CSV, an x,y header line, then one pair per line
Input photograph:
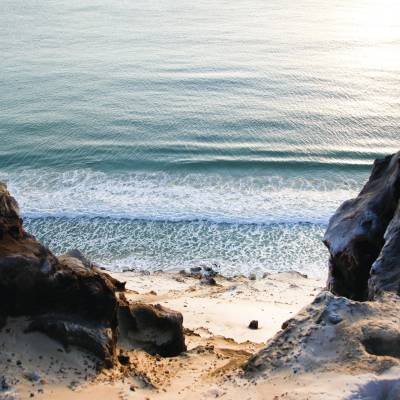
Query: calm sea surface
x,y
166,134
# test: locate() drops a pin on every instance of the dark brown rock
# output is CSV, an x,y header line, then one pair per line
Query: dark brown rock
x,y
34,281
71,330
355,235
77,258
77,290
69,298
385,272
253,324
153,328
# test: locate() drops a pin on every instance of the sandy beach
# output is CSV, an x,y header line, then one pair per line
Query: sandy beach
x,y
70,329
218,338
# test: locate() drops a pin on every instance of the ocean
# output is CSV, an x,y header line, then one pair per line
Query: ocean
x,y
169,134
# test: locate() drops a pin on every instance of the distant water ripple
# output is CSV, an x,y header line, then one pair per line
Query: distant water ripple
x,y
162,134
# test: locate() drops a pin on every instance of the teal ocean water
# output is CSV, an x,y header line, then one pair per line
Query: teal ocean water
x,y
164,134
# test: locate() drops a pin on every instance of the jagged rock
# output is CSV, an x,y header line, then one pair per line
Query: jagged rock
x,y
34,281
11,222
355,235
68,297
81,264
70,330
153,328
341,333
72,255
385,272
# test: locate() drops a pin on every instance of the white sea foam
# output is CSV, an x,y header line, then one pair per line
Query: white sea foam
x,y
175,197
168,221
152,245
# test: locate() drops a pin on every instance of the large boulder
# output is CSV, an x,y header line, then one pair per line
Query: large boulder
x,y
153,328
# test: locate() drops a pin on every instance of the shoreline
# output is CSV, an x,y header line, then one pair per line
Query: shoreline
x,y
285,336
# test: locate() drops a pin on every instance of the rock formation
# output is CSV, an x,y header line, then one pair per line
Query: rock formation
x,y
356,233
359,331
335,334
68,297
141,324
385,272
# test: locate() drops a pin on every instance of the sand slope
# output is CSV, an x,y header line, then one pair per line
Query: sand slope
x,y
219,343
216,319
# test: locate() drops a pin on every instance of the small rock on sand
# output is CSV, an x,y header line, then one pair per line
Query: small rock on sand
x,y
253,324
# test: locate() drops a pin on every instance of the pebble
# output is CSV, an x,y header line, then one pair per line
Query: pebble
x,y
253,324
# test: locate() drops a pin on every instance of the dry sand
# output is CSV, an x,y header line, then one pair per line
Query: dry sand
x,y
219,341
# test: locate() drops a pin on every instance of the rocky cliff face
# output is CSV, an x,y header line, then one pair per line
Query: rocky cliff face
x,y
356,234
385,271
355,325
68,297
